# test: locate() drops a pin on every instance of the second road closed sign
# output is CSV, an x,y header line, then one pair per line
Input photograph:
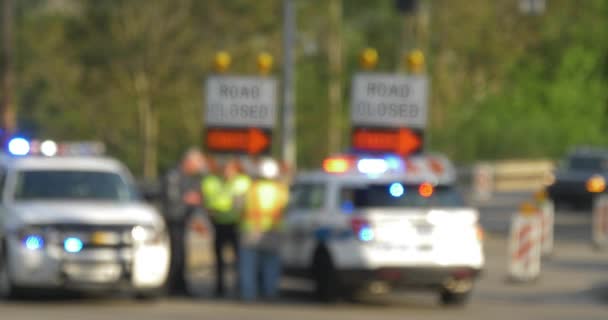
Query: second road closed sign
x,y
235,101
389,100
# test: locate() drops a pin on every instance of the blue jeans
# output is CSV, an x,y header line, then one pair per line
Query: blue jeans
x,y
254,263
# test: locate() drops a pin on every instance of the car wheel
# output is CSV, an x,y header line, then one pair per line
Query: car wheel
x,y
324,274
449,298
150,295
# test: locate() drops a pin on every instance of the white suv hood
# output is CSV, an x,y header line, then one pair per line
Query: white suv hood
x,y
100,213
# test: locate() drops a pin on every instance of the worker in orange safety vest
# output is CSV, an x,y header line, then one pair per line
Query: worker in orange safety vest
x,y
260,227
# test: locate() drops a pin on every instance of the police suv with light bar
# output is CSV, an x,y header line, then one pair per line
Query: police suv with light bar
x,y
71,219
381,224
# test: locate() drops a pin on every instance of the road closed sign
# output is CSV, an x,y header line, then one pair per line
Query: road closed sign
x,y
389,100
236,101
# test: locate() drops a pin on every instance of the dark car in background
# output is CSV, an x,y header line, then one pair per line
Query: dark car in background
x,y
580,177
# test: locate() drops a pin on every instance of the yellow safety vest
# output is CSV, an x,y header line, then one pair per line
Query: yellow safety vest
x,y
222,197
265,203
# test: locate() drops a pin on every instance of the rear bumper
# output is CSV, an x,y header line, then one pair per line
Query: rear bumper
x,y
406,277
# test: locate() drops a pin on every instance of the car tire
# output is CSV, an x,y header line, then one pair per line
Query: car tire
x,y
455,299
324,275
150,295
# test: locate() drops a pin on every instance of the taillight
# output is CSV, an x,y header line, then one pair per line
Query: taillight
x,y
362,229
480,233
426,190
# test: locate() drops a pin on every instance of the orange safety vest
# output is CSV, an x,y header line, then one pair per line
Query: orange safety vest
x,y
266,200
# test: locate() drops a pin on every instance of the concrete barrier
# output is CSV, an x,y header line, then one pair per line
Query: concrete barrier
x,y
521,175
483,179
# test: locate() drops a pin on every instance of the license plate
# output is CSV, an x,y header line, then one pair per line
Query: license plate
x,y
99,273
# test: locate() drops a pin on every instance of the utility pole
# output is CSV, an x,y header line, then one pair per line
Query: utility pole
x,y
408,9
334,51
7,107
289,30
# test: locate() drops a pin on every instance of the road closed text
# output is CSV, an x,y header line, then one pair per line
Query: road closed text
x,y
240,101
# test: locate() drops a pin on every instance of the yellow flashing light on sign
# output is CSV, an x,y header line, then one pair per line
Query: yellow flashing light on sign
x,y
415,61
264,62
222,61
369,58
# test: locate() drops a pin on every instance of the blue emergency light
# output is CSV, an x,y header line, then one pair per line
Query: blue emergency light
x,y
394,162
18,146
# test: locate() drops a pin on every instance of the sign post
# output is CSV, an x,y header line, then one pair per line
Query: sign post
x,y
240,114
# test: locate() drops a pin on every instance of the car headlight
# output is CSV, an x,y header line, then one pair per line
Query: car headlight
x,y
148,235
596,184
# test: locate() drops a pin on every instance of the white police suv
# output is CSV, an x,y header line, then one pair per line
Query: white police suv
x,y
75,222
379,224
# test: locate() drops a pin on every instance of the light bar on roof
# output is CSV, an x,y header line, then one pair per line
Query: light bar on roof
x,y
336,165
394,162
50,148
92,148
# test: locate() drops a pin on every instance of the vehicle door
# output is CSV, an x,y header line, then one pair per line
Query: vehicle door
x,y
308,200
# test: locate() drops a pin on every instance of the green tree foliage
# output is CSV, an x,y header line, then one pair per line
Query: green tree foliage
x,y
131,72
550,96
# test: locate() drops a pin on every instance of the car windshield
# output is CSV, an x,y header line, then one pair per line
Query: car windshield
x,y
588,163
72,185
396,195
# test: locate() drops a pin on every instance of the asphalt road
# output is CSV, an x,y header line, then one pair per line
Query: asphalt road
x,y
573,285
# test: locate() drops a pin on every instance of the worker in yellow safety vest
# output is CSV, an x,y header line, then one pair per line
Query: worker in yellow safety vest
x,y
224,198
260,231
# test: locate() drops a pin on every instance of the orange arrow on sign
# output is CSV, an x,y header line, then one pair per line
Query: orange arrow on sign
x,y
402,141
252,140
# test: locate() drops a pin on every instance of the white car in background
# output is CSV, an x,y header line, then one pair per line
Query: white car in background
x,y
76,222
